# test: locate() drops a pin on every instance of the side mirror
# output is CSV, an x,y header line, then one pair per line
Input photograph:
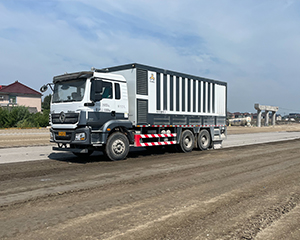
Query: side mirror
x,y
44,88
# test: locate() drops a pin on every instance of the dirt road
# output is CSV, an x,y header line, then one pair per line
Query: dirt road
x,y
250,192
24,137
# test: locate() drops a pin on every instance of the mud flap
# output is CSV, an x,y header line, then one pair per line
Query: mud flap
x,y
217,144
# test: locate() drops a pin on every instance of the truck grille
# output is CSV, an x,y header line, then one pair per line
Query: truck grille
x,y
64,118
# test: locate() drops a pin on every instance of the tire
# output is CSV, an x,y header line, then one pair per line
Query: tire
x,y
117,146
204,140
187,141
82,155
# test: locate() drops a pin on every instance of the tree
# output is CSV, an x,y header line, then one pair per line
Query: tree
x,y
46,102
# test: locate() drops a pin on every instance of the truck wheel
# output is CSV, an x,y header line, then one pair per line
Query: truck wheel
x,y
187,141
204,140
117,146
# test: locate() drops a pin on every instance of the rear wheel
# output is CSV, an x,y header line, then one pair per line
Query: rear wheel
x,y
187,141
117,146
204,140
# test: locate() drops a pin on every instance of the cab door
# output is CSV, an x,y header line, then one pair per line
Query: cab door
x,y
108,104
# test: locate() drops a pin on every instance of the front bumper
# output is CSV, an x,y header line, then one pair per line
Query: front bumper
x,y
73,150
71,136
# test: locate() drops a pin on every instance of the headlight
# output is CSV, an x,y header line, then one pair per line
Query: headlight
x,y
80,136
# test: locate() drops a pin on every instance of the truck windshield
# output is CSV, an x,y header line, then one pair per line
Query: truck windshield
x,y
69,91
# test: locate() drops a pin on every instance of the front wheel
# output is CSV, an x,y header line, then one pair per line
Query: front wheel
x,y
117,146
187,141
204,140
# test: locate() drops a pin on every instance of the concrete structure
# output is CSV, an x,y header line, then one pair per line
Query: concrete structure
x,y
17,94
267,109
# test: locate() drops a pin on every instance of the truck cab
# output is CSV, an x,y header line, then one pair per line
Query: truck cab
x,y
84,107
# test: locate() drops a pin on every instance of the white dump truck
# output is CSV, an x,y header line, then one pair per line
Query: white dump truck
x,y
136,105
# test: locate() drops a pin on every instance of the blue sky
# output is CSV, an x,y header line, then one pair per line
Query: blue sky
x,y
252,45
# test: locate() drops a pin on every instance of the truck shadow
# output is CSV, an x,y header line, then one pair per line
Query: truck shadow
x,y
98,156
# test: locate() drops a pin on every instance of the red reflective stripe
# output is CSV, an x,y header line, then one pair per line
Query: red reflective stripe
x,y
156,135
157,144
137,139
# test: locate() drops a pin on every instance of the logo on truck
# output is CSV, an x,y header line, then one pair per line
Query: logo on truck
x,y
152,79
62,117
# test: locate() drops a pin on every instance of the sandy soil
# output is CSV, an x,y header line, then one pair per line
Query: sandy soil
x,y
276,128
24,137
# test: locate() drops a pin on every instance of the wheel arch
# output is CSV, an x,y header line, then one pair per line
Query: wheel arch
x,y
122,126
209,129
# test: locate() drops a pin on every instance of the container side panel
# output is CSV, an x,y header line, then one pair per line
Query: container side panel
x,y
189,97
177,94
195,96
183,93
158,91
162,91
165,93
213,98
152,91
171,93
204,97
199,96
208,98
220,100
186,95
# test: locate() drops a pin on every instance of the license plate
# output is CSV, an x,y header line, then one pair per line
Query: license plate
x,y
62,134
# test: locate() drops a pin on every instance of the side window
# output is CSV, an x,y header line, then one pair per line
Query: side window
x,y
107,90
117,91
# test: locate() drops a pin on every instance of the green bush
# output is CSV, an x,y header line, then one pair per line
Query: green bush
x,y
4,115
20,117
42,119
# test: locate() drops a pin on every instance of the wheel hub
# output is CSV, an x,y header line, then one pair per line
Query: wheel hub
x,y
204,140
118,147
187,142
